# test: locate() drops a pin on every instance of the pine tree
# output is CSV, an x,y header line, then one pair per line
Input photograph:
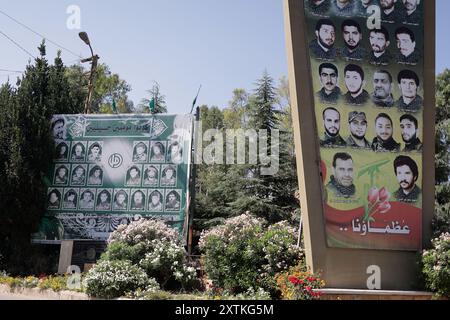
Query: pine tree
x,y
159,98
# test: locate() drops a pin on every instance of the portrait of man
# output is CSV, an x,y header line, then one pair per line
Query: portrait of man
x,y
409,83
95,152
133,176
70,199
410,131
158,152
140,152
121,201
323,46
344,8
382,85
319,7
95,176
173,201
54,199
58,129
341,182
352,35
151,176
156,201
330,92
406,44
363,5
104,201
390,12
87,200
357,123
78,176
379,41
138,201
407,174
61,175
354,81
412,13
175,153
332,124
62,152
169,176
78,152
384,130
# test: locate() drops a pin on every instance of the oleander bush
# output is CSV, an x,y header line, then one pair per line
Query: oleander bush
x,y
436,266
155,248
243,253
114,279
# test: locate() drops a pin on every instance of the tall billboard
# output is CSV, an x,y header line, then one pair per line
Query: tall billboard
x,y
112,170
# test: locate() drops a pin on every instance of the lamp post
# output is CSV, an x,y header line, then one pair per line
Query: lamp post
x,y
94,62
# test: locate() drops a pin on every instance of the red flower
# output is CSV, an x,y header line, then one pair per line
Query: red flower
x,y
293,279
308,288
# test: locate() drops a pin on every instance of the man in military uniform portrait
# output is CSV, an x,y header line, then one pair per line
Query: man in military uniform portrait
x,y
390,12
318,7
407,174
410,131
406,44
151,176
357,122
330,92
87,200
354,81
384,129
138,201
332,124
54,200
409,83
95,152
352,35
78,176
173,201
155,204
62,175
140,152
78,152
121,201
341,182
382,85
169,176
323,46
104,201
344,8
363,5
96,176
70,200
412,13
134,176
62,152
380,41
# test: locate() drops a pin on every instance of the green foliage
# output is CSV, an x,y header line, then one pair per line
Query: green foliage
x,y
113,279
159,98
299,284
244,254
436,266
441,222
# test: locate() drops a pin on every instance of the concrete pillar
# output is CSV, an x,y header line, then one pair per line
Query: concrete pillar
x,y
65,256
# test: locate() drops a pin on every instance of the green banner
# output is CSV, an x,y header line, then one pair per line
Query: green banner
x,y
112,170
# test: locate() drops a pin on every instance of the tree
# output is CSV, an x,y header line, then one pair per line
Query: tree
x,y
442,163
236,115
159,100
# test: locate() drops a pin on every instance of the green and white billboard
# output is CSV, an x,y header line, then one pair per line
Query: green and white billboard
x,y
113,170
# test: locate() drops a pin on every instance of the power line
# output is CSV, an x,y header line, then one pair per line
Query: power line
x,y
16,44
40,35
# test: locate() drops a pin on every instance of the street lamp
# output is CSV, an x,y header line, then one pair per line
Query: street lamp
x,y
94,62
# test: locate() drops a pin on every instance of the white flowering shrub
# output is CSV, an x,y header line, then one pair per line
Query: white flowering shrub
x,y
244,254
113,279
155,247
436,266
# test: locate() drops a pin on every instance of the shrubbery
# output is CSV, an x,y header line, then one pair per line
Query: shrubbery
x,y
436,266
244,254
299,284
113,279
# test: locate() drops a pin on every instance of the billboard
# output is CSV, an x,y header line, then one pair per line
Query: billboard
x,y
367,73
112,170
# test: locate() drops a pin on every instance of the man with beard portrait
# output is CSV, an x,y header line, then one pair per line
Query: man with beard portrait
x,y
332,125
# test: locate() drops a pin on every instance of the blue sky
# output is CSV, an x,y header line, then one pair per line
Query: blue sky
x,y
222,45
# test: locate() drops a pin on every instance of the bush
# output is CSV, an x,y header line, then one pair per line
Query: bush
x,y
243,254
55,283
113,279
155,247
436,266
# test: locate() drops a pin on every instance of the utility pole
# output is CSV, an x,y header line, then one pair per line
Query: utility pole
x,y
94,63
